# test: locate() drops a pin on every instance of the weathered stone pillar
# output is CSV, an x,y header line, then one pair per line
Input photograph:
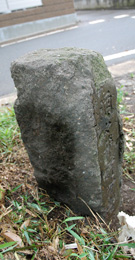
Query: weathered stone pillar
x,y
67,112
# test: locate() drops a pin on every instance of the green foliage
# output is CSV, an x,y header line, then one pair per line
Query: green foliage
x,y
120,95
9,130
72,218
132,75
129,157
31,215
7,245
120,99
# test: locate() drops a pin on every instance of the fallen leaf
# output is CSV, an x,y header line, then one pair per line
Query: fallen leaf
x,y
129,146
1,239
29,186
70,246
9,236
52,249
55,243
84,230
127,130
80,250
5,227
25,224
30,213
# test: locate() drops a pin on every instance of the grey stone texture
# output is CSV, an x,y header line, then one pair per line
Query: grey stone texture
x,y
67,112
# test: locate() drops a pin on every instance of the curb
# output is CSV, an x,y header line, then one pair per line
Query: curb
x,y
8,100
116,71
13,32
122,68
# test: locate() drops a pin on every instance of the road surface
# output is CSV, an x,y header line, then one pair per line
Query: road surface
x,y
110,32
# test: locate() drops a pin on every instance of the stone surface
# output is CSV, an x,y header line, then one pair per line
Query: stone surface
x,y
67,112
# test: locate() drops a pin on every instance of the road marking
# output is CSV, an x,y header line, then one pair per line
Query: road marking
x,y
121,16
97,21
38,36
133,17
119,55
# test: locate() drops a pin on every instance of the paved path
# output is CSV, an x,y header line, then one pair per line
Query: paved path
x,y
112,33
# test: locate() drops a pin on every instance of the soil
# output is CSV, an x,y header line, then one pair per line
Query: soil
x,y
128,185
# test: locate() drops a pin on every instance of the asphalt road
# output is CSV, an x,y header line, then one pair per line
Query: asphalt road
x,y
110,32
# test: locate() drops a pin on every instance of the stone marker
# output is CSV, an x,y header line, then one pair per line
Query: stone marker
x,y
67,112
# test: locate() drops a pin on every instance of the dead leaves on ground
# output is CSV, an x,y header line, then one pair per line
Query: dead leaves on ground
x,y
10,236
129,155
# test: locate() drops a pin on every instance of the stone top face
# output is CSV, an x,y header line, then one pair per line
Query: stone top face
x,y
79,61
49,55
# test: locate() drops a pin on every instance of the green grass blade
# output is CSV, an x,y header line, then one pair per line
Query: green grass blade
x,y
70,227
122,256
1,257
130,245
27,237
76,255
16,188
72,218
91,255
76,236
111,256
8,244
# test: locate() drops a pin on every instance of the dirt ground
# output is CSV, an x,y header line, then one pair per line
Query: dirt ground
x,y
128,184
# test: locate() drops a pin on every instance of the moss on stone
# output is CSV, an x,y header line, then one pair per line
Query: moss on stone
x,y
100,71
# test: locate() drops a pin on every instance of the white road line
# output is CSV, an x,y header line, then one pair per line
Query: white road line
x,y
119,55
37,36
133,17
97,21
121,16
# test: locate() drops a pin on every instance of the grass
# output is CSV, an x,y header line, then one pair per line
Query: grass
x,y
9,131
120,95
35,227
31,218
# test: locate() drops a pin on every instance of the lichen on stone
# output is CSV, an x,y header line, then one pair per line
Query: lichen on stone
x,y
100,71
